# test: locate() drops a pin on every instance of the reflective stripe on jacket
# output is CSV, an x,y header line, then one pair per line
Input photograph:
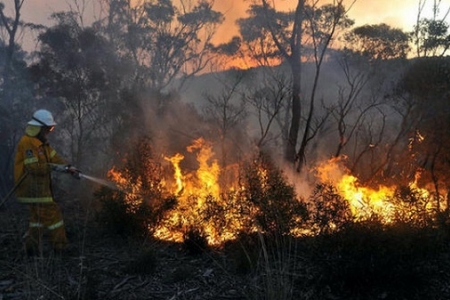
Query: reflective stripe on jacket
x,y
32,157
50,227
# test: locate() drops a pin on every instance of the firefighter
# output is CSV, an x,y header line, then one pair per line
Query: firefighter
x,y
32,173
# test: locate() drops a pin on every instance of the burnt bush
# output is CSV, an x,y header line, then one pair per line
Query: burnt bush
x,y
144,263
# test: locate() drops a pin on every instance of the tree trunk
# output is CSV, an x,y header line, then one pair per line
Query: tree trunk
x,y
290,154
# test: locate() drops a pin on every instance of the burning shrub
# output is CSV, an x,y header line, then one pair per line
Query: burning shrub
x,y
415,206
140,204
328,210
278,209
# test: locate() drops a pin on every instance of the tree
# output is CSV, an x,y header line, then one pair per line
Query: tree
x,y
425,86
295,37
167,40
378,41
15,89
226,111
431,36
345,107
78,67
269,101
380,53
11,25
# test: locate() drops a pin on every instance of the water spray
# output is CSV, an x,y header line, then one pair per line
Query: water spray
x,y
79,175
100,181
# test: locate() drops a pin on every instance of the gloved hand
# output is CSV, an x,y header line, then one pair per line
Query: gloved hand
x,y
73,171
58,168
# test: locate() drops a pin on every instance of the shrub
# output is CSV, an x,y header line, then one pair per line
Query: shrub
x,y
279,210
118,215
140,204
328,210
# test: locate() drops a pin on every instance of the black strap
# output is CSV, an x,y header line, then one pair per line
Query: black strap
x,y
39,121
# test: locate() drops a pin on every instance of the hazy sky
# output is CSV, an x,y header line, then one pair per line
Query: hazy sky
x,y
397,13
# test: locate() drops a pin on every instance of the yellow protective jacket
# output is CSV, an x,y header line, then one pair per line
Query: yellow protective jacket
x,y
31,161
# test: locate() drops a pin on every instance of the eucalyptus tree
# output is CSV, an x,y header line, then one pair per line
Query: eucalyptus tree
x,y
78,71
296,37
431,36
379,41
11,25
167,40
15,87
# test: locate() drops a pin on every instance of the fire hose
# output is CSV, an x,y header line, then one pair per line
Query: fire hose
x,y
14,188
63,169
79,175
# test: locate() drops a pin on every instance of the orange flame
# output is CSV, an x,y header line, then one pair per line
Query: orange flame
x,y
203,204
175,160
193,190
364,201
206,178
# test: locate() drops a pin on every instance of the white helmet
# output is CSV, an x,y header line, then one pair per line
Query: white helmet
x,y
41,118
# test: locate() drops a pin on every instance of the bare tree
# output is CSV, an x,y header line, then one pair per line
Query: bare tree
x,y
11,25
15,89
269,101
295,37
347,103
226,111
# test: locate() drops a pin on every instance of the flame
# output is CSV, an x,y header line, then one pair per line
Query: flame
x,y
366,202
132,190
175,160
220,213
206,181
194,190
363,201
